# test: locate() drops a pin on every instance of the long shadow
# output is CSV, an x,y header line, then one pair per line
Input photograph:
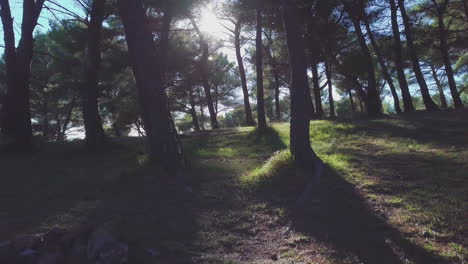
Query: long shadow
x,y
339,216
443,129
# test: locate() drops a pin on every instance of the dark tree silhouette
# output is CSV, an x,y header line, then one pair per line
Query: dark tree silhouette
x,y
162,136
259,66
397,49
428,102
90,92
16,115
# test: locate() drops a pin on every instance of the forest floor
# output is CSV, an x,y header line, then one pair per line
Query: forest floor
x,y
394,190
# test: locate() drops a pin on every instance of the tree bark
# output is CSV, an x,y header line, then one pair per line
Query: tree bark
x,y
92,119
440,88
165,146
237,43
397,50
444,49
428,102
164,43
331,101
259,66
383,66
300,140
276,78
204,75
16,115
317,91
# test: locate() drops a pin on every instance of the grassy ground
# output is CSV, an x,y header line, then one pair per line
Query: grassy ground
x,y
394,191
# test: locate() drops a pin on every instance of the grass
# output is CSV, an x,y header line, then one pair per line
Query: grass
x,y
409,171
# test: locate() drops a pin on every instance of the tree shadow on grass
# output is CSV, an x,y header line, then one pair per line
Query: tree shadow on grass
x,y
339,216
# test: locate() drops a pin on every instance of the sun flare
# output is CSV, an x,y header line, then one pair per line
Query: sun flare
x,y
210,23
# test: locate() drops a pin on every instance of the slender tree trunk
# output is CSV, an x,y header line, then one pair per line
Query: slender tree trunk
x,y
428,102
16,115
204,76
398,55
237,43
160,130
277,96
373,99
444,49
193,110
92,119
68,116
276,78
259,66
383,66
331,101
440,88
45,117
317,91
351,101
300,139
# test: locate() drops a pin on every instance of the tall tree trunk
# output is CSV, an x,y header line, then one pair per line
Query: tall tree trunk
x,y
160,130
204,75
300,139
237,43
331,101
351,101
398,55
193,109
317,91
428,102
276,78
16,115
301,150
444,49
92,119
383,66
440,88
373,98
259,66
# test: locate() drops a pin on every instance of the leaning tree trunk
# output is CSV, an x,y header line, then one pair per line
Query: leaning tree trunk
x,y
277,95
398,57
428,102
440,88
92,120
444,49
165,146
16,115
317,90
237,43
331,101
259,66
383,66
373,99
204,75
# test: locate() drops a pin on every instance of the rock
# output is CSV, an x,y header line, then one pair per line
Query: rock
x,y
113,254
99,239
22,242
52,258
274,257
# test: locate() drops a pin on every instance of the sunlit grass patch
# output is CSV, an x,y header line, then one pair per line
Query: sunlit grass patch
x,y
269,172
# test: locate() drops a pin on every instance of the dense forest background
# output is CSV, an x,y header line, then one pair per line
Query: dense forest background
x,y
362,52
